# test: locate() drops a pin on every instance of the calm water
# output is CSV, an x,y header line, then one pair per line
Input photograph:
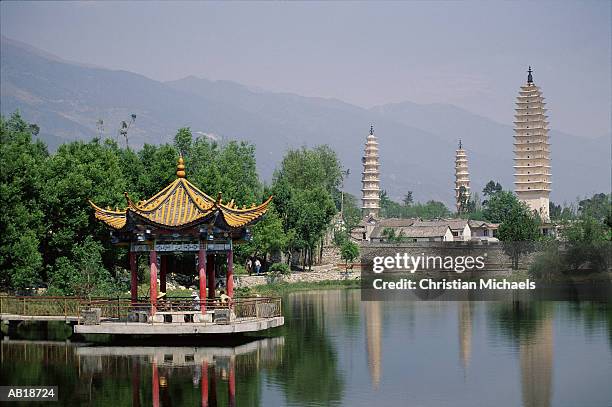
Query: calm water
x,y
336,350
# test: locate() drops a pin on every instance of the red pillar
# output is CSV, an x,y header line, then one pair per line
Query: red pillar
x,y
162,272
230,273
210,271
202,275
153,271
134,272
155,385
204,384
232,384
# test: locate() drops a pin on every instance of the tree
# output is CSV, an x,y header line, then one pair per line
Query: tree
x,y
588,242
598,206
408,200
349,251
268,236
491,188
496,208
351,213
391,236
518,230
183,140
22,219
304,188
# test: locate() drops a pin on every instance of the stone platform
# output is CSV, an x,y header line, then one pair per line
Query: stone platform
x,y
195,328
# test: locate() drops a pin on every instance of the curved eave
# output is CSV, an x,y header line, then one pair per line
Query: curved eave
x,y
237,218
114,219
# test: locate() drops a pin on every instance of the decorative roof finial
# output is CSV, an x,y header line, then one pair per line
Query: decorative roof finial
x,y
529,76
459,144
180,168
371,130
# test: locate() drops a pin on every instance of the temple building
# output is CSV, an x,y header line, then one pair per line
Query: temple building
x,y
370,178
462,179
532,178
181,218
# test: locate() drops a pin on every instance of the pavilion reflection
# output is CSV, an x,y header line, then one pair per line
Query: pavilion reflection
x,y
156,374
206,366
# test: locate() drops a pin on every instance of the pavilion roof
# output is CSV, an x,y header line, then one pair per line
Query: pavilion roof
x,y
181,204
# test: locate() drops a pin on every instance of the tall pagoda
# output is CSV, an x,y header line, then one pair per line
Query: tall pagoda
x,y
181,218
532,178
370,177
462,178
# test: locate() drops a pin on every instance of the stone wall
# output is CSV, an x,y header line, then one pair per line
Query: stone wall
x,y
331,255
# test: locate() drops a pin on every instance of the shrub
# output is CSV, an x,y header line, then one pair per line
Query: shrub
x,y
280,268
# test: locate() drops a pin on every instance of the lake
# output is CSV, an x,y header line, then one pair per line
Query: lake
x,y
337,350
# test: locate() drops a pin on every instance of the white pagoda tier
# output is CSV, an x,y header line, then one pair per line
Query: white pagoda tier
x,y
370,178
532,178
462,177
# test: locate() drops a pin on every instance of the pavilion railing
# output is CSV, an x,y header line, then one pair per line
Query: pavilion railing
x,y
120,308
32,306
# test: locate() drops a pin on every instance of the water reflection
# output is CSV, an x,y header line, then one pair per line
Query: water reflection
x,y
373,328
465,333
337,350
142,375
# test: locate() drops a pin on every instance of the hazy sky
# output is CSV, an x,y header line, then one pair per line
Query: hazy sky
x,y
472,54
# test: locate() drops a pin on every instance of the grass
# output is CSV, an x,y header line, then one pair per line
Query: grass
x,y
280,288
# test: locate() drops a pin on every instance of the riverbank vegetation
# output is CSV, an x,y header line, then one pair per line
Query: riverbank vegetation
x,y
50,239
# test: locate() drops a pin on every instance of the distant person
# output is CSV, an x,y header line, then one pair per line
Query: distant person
x,y
249,266
257,266
224,297
196,300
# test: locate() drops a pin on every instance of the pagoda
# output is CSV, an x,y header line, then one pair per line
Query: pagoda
x,y
370,178
462,178
532,178
181,218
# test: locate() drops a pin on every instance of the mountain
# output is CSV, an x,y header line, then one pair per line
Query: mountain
x,y
417,142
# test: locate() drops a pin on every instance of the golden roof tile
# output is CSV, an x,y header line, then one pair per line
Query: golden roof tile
x,y
181,204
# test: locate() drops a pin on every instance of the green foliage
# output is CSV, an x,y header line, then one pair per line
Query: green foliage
x,y
349,251
268,236
548,263
561,213
588,243
408,199
496,208
280,268
304,188
491,188
429,210
599,206
84,275
519,227
49,235
22,220
351,213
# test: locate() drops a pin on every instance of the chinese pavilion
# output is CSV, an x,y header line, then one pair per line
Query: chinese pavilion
x,y
181,218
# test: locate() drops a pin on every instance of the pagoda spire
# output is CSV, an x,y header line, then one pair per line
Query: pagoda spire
x,y
180,168
371,129
529,75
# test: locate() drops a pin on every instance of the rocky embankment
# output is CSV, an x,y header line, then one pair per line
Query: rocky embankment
x,y
319,273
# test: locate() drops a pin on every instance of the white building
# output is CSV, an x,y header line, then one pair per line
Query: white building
x,y
370,178
532,178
